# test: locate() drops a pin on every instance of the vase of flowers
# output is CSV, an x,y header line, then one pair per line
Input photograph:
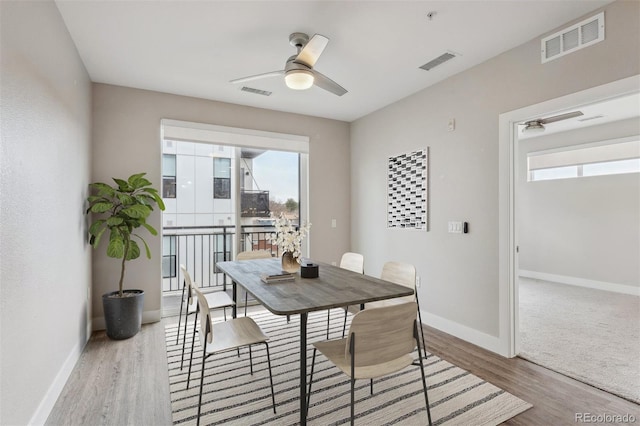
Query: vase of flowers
x,y
289,242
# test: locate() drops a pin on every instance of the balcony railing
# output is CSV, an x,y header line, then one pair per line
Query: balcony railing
x,y
201,248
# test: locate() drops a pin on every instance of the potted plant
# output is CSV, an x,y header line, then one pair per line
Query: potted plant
x,y
122,209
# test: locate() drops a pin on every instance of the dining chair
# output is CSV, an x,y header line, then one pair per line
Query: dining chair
x,y
215,299
248,255
353,262
380,342
398,273
225,336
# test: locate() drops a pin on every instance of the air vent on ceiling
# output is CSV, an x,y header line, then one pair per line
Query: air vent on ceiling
x,y
438,61
575,37
256,91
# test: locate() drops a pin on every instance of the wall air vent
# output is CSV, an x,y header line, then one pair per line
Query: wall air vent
x,y
583,34
256,91
438,61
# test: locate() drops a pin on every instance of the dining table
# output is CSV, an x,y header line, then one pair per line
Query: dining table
x,y
333,288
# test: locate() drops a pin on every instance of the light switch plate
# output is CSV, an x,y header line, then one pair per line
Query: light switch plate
x,y
455,227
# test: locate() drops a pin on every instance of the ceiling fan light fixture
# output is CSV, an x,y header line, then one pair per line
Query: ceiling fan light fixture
x,y
299,79
533,127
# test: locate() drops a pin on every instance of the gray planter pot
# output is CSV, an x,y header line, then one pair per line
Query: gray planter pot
x,y
123,315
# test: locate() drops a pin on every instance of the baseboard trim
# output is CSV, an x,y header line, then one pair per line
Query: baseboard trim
x,y
55,389
147,318
478,338
581,282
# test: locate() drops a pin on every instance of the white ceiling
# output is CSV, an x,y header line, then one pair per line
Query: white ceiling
x,y
194,48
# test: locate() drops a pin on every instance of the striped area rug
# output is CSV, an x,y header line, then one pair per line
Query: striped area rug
x,y
233,396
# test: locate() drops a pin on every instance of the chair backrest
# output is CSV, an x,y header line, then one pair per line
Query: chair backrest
x,y
400,273
254,254
187,283
382,334
353,262
206,333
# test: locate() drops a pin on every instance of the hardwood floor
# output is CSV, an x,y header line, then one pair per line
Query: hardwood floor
x,y
126,383
118,383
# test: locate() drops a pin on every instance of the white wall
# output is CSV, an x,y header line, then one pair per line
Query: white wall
x,y
459,272
126,139
583,228
44,172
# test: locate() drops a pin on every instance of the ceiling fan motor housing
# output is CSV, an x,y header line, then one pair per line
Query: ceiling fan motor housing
x,y
298,40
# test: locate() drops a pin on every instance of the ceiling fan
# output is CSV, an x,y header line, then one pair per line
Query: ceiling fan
x,y
298,70
537,125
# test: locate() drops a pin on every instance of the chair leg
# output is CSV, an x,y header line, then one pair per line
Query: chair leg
x,y
352,351
224,309
250,360
204,357
313,363
273,395
353,386
424,379
424,342
328,321
193,341
246,300
371,385
180,315
344,326
184,336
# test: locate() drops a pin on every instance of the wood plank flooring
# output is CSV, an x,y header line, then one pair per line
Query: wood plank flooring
x,y
126,383
123,382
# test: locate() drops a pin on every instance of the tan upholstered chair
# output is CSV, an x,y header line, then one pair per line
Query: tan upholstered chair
x,y
248,255
226,336
215,299
380,342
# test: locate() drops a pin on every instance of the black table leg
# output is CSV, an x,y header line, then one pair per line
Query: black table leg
x,y
303,369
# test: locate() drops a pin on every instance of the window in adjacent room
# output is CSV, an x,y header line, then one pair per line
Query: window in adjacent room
x,y
603,158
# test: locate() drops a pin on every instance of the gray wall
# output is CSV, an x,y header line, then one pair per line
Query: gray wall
x,y
459,273
126,140
44,171
586,228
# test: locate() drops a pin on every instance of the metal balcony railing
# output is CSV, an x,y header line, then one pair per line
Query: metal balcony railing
x,y
201,248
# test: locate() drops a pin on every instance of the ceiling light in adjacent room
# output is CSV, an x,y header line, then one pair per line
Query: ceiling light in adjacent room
x,y
533,126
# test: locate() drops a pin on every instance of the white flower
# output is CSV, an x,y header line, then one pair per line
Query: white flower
x,y
287,238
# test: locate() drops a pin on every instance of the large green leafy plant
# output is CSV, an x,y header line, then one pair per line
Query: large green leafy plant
x,y
121,210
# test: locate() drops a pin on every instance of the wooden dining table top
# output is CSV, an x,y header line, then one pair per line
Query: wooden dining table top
x,y
334,287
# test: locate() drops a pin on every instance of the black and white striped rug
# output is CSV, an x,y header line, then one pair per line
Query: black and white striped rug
x,y
232,395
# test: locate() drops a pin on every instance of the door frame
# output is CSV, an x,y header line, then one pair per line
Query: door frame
x,y
508,172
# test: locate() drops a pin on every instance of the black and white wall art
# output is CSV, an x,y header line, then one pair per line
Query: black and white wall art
x,y
407,190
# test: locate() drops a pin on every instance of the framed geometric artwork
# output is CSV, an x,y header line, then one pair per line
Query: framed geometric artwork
x,y
407,191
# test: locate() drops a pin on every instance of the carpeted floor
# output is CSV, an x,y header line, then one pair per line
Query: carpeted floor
x,y
590,335
233,396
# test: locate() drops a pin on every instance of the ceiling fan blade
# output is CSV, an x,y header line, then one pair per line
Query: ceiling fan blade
x,y
312,50
327,84
258,76
560,117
